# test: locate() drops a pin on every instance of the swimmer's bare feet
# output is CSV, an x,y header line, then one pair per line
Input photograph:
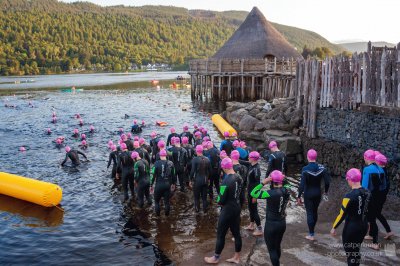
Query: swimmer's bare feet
x,y
211,260
388,235
235,259
311,238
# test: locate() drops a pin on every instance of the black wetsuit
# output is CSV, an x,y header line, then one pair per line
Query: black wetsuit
x,y
276,161
197,142
199,176
374,180
136,129
253,180
163,173
142,178
154,149
241,170
380,216
190,154
170,136
310,184
229,217
114,159
275,218
179,158
213,156
74,157
354,211
188,135
147,148
125,164
129,145
143,154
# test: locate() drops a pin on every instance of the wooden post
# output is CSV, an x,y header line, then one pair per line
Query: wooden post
x,y
275,65
242,79
252,87
305,93
219,87
229,87
383,77
299,76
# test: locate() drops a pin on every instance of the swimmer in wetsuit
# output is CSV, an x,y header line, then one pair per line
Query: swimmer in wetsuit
x,y
229,217
145,146
354,210
163,173
226,145
135,127
186,133
154,147
142,178
142,152
199,178
310,185
275,215
241,170
276,161
170,136
190,152
253,179
125,166
179,158
113,158
213,156
373,179
198,140
73,156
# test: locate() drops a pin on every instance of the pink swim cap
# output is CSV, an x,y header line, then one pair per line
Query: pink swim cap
x,y
67,149
124,137
143,122
369,155
113,147
354,175
226,134
76,131
161,144
141,141
123,146
135,122
91,127
134,155
236,144
177,140
226,163
234,134
312,155
136,138
84,142
153,134
381,160
195,126
78,115
49,130
242,144
272,144
185,128
110,142
172,130
121,129
58,141
206,138
254,155
185,140
277,176
199,149
22,148
83,136
136,144
377,153
235,155
223,154
163,153
80,121
204,144
197,134
210,144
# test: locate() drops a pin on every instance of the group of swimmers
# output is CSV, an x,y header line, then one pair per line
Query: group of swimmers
x,y
190,159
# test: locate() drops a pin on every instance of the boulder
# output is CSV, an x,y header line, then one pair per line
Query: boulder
x,y
277,133
250,106
260,126
235,105
261,116
236,116
273,114
254,112
251,135
247,123
291,146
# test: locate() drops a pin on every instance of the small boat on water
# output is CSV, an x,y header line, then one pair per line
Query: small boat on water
x,y
161,123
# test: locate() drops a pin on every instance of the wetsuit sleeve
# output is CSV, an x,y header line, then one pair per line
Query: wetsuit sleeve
x,y
245,163
173,171
81,153
302,184
223,193
285,167
192,170
169,139
65,160
152,175
342,213
327,180
257,174
257,193
136,171
269,169
109,160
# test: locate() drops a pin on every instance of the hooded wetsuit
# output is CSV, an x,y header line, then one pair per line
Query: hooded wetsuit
x,y
354,210
310,185
275,218
163,173
229,217
199,176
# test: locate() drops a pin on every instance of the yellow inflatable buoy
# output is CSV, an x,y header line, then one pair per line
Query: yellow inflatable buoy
x,y
28,189
222,125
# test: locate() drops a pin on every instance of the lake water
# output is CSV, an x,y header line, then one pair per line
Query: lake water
x,y
94,227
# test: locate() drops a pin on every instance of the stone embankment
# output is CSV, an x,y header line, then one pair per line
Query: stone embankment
x,y
260,122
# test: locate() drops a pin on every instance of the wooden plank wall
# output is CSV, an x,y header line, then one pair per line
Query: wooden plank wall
x,y
347,82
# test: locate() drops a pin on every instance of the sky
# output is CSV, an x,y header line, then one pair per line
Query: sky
x,y
336,20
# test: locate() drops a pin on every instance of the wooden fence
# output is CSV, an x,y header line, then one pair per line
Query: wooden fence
x,y
370,78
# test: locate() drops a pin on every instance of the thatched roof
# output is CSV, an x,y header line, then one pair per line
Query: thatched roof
x,y
256,38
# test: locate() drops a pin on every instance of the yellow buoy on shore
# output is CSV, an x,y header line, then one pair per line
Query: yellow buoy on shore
x,y
222,125
28,189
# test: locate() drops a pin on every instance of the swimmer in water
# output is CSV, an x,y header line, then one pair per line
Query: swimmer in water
x,y
142,179
75,133
73,155
113,158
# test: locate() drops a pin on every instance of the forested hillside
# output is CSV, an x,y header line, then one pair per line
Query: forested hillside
x,y
47,36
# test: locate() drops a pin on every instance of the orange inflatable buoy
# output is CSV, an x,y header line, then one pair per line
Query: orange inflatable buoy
x,y
161,123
